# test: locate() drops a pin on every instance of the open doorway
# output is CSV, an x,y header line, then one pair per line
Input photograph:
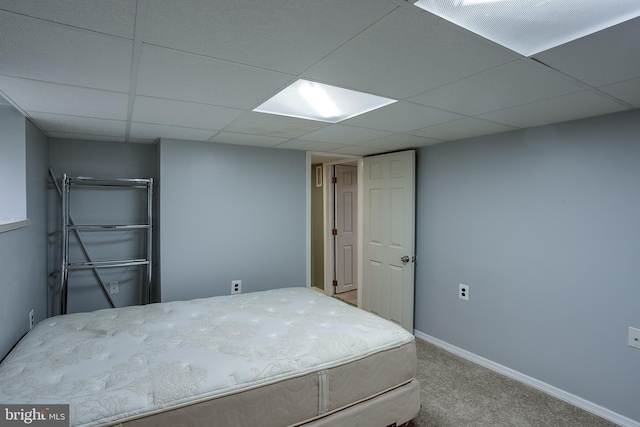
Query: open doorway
x,y
386,233
334,225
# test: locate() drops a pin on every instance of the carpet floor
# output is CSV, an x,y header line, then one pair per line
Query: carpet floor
x,y
456,393
350,297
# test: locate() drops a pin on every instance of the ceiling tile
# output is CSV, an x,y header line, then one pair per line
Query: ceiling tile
x,y
273,125
168,73
297,144
180,113
153,131
628,91
563,108
388,61
516,83
399,141
116,17
32,95
62,54
356,150
244,139
402,116
81,125
608,56
462,128
279,35
343,134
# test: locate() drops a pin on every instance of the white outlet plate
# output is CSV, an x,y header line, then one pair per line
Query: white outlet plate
x,y
114,288
31,320
236,286
634,337
463,292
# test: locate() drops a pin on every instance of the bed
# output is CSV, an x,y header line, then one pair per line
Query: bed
x,y
281,357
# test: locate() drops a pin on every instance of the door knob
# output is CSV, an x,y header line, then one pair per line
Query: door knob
x,y
404,259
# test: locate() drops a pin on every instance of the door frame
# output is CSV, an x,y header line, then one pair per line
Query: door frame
x,y
328,211
327,216
353,167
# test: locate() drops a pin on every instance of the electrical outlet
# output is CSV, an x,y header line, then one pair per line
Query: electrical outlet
x,y
31,320
634,337
114,288
463,292
236,286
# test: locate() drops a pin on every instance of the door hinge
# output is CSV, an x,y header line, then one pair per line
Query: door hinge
x,y
334,180
334,231
335,283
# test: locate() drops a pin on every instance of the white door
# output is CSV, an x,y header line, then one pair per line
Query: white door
x,y
346,215
388,236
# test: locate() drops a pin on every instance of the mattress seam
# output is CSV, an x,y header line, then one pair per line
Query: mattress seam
x,y
323,391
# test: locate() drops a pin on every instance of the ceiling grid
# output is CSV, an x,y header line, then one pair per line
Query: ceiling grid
x,y
136,71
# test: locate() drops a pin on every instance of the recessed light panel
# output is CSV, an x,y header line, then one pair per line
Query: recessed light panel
x,y
532,26
316,101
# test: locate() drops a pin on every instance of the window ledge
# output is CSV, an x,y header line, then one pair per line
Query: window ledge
x,y
8,224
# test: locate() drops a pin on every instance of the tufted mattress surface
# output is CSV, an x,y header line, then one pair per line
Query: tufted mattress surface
x,y
129,363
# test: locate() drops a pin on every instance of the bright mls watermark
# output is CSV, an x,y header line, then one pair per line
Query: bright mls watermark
x,y
34,415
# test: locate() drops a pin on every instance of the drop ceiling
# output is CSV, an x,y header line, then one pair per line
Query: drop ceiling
x,y
135,71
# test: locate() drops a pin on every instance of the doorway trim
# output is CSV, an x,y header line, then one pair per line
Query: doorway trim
x,y
327,214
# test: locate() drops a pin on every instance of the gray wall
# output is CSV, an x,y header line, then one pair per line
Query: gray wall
x,y
12,163
230,212
102,159
542,224
23,255
99,206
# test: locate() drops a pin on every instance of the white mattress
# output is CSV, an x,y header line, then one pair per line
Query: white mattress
x,y
129,363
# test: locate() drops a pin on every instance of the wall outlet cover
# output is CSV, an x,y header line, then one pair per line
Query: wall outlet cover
x,y
634,337
463,292
236,286
114,288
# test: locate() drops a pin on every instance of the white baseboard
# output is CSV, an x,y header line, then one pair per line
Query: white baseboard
x,y
530,381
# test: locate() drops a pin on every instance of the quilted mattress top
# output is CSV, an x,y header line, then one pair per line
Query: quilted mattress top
x,y
121,363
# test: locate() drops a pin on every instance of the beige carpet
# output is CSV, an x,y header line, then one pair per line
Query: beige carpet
x,y
350,297
457,393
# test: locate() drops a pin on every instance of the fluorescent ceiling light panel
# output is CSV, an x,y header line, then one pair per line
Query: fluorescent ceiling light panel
x,y
316,101
532,26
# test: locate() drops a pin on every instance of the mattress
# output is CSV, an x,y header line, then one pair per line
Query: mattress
x,y
281,357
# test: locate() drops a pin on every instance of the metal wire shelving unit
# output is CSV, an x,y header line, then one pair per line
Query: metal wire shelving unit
x,y
69,226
